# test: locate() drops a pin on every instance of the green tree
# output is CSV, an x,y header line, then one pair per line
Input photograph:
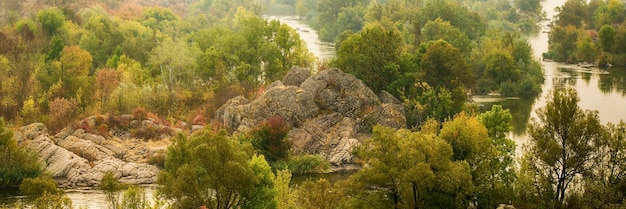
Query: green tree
x,y
564,141
586,49
262,194
51,20
134,198
528,5
372,55
562,42
318,194
285,197
470,142
36,187
503,168
408,170
270,139
607,38
572,13
440,29
111,189
16,163
459,16
501,68
214,170
444,66
604,185
175,61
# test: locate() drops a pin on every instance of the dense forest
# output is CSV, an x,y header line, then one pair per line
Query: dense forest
x,y
179,61
592,32
183,61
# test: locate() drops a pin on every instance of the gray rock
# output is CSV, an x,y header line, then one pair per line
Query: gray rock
x,y
330,113
230,114
275,84
289,102
386,97
32,131
78,162
340,92
196,128
296,76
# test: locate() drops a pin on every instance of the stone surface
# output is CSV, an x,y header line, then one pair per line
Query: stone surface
x,y
330,113
386,97
296,76
78,159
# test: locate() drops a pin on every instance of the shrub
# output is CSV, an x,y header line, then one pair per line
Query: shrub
x,y
120,122
157,160
140,114
62,113
16,163
308,164
47,201
111,188
35,187
134,198
270,139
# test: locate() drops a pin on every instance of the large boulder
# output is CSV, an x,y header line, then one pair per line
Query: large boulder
x,y
78,159
296,76
330,113
290,102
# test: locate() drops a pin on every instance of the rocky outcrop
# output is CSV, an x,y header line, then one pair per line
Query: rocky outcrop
x,y
330,113
78,159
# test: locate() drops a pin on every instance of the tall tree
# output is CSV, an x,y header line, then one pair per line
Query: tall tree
x,y
528,5
564,141
51,20
372,55
408,170
214,170
444,66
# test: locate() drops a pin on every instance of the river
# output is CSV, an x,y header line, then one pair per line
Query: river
x,y
601,90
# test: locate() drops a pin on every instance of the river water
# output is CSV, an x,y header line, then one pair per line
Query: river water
x,y
601,90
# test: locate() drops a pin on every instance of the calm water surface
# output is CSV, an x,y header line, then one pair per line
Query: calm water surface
x,y
600,90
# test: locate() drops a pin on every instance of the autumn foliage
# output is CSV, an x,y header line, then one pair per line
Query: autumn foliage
x,y
270,139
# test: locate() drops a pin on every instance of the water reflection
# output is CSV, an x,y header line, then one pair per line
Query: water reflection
x,y
520,109
615,82
88,197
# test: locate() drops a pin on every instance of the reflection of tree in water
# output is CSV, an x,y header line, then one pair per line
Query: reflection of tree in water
x,y
520,110
568,77
615,81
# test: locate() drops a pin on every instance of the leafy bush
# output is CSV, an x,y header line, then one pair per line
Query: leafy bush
x,y
134,198
157,160
111,188
16,163
47,201
308,164
269,139
140,114
35,187
62,113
